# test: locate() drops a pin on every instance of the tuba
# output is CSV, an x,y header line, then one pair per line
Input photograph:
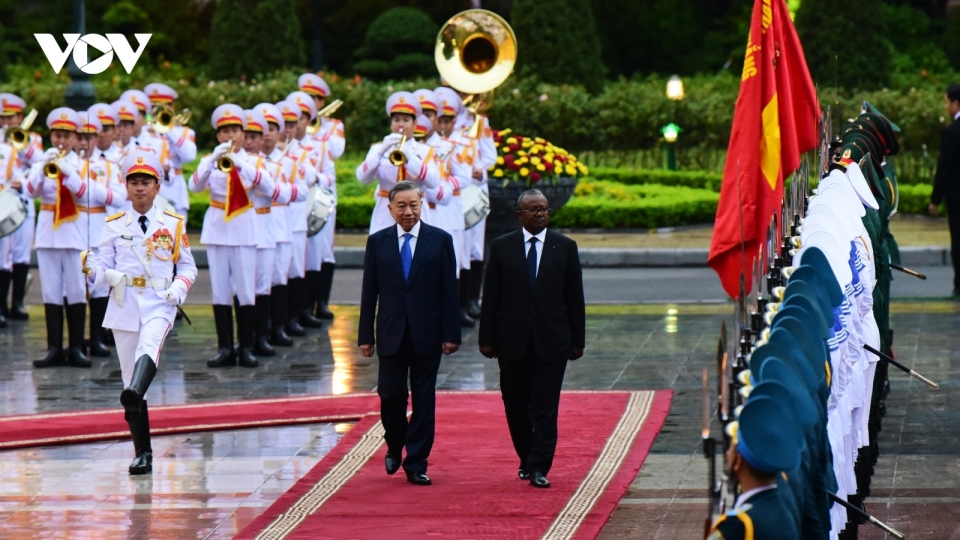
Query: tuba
x,y
164,119
475,52
314,126
19,136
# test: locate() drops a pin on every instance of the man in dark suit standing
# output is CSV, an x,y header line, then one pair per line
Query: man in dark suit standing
x,y
410,269
946,185
533,319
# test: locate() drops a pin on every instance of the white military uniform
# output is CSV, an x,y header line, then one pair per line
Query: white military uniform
x,y
452,175
21,241
107,173
420,167
320,245
140,267
180,146
9,169
481,154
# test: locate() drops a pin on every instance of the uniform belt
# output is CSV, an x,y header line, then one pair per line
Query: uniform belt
x,y
456,193
178,171
145,283
432,205
384,193
93,209
264,210
278,204
48,207
217,204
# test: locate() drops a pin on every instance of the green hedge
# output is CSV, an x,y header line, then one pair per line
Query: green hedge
x,y
609,205
693,179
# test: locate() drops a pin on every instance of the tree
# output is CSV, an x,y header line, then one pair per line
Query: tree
x,y
851,47
398,45
557,41
278,42
251,38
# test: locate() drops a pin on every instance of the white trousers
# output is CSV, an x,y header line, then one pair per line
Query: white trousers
x,y
281,263
473,242
314,254
61,276
298,254
462,262
22,239
232,272
264,279
6,253
133,345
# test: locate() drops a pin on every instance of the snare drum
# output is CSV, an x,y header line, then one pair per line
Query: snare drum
x,y
13,212
320,204
476,205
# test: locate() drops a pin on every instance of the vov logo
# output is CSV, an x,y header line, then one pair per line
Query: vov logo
x,y
112,43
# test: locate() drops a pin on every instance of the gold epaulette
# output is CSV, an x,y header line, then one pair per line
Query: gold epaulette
x,y
172,214
118,215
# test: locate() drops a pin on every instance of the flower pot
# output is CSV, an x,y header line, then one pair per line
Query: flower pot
x,y
503,201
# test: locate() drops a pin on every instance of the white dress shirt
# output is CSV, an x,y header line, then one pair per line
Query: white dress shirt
x,y
956,115
541,237
415,231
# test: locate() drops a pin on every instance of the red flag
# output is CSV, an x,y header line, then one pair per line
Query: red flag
x,y
237,201
66,207
776,119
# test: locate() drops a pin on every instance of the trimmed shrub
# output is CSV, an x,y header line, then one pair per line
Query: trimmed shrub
x,y
692,179
609,205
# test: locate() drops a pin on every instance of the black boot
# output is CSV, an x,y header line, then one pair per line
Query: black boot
x,y
108,339
278,314
466,321
140,433
132,396
476,284
17,311
53,314
226,356
311,290
246,322
294,304
76,317
98,310
261,347
5,278
326,285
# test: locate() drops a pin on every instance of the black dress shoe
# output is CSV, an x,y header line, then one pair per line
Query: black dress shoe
x,y
224,358
392,463
142,464
466,320
307,320
418,478
473,309
294,329
539,480
523,474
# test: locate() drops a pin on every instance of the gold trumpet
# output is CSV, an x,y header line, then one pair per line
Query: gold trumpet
x,y
397,157
52,170
225,164
164,119
314,126
19,136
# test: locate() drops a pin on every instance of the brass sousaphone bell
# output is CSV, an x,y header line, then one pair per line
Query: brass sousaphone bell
x,y
475,53
19,136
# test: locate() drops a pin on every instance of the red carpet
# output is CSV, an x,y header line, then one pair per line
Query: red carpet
x,y
86,426
604,438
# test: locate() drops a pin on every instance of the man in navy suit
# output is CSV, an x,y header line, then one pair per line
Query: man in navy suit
x,y
946,185
410,270
533,319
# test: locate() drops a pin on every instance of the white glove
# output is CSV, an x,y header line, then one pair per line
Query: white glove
x,y
66,169
176,293
221,150
50,155
390,142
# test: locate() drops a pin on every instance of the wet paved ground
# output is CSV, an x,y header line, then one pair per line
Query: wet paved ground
x,y
211,485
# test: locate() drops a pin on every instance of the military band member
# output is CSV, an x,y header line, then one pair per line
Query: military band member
x,y
21,241
178,146
419,166
304,286
96,169
229,232
61,236
9,167
433,197
331,136
144,256
267,228
127,128
106,146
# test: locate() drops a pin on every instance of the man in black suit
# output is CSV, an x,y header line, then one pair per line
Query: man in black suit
x,y
533,319
946,185
410,269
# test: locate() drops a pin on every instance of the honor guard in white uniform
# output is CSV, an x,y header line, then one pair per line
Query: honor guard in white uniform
x,y
62,233
267,229
9,170
229,232
310,156
331,135
178,146
142,108
418,166
434,196
144,257
482,154
21,241
106,142
95,169
127,128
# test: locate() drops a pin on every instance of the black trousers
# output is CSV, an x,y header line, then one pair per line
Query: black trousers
x,y
953,218
417,434
531,400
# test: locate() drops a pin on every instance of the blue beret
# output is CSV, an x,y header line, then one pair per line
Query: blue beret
x,y
780,382
781,349
767,439
783,338
806,315
796,298
823,281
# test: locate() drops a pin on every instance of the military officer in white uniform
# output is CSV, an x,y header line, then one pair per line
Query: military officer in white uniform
x,y
179,146
229,232
61,236
94,168
144,256
12,109
106,146
420,167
